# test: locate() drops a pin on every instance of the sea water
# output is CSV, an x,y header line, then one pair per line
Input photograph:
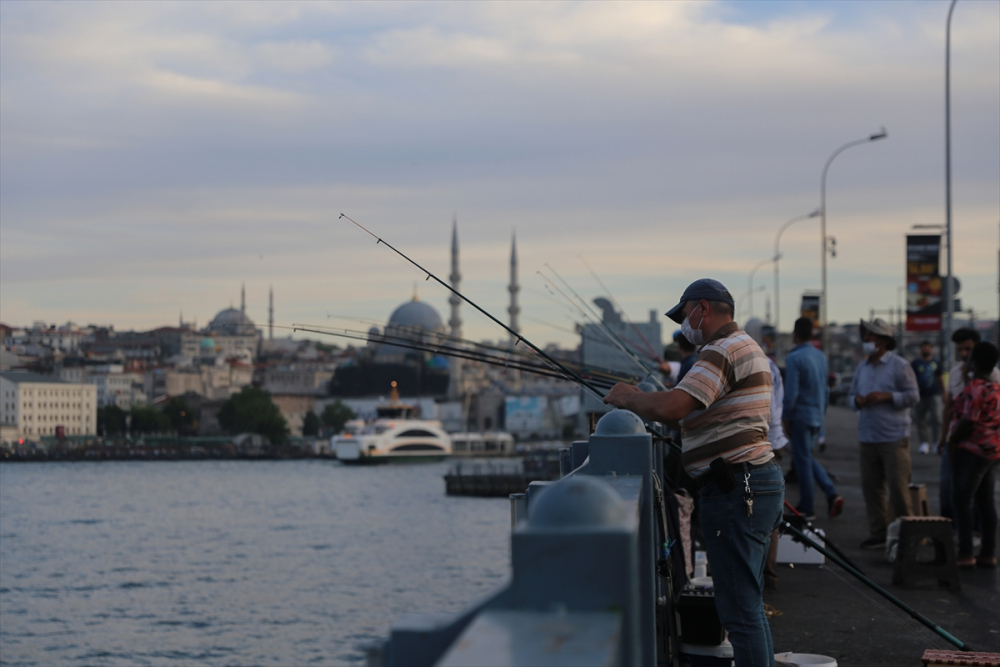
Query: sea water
x,y
232,562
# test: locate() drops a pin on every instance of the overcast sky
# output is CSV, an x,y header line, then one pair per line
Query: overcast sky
x,y
154,156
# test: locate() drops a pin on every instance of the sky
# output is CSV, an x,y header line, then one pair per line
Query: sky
x,y
156,156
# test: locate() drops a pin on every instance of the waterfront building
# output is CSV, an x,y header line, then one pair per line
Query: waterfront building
x,y
34,405
114,385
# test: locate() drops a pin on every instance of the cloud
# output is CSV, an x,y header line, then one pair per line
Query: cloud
x,y
177,143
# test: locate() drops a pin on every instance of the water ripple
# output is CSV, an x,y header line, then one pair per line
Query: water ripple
x,y
232,563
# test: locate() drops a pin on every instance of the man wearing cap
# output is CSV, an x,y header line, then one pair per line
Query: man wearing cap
x,y
883,390
723,405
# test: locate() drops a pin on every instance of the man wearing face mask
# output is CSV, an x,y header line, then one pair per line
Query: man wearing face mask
x,y
723,405
883,391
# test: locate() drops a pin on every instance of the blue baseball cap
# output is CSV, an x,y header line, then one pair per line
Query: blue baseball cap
x,y
707,289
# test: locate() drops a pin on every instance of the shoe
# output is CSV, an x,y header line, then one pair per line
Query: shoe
x,y
966,563
873,543
836,506
925,448
808,516
986,562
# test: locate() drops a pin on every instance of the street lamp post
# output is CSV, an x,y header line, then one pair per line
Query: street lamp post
x,y
777,298
948,290
750,282
823,240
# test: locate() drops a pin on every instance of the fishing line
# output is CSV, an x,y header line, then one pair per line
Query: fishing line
x,y
619,306
600,319
601,326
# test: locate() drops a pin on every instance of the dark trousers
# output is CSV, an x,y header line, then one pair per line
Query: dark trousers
x,y
973,478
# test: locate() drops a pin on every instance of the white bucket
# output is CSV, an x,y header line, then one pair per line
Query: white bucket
x,y
804,660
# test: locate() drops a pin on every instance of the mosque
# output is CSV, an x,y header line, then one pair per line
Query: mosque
x,y
231,333
422,373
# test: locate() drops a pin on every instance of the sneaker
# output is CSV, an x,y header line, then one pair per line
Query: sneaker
x,y
873,543
925,448
836,506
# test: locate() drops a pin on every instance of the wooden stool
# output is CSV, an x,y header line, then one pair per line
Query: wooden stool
x,y
918,500
912,532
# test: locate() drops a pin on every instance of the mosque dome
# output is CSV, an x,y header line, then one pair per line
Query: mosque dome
x,y
416,314
231,321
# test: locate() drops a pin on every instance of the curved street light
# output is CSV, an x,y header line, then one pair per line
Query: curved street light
x,y
777,298
823,239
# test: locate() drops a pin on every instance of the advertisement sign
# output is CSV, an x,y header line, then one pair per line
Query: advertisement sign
x,y
525,413
923,283
810,308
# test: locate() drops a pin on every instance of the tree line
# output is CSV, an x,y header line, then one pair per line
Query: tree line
x,y
249,411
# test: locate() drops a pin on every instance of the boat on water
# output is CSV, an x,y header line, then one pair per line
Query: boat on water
x,y
396,435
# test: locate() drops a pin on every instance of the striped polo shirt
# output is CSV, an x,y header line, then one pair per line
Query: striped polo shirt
x,y
732,379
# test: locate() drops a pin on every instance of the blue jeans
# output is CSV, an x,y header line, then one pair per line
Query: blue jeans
x,y
737,547
808,469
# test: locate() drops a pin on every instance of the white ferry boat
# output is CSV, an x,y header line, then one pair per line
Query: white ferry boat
x,y
397,435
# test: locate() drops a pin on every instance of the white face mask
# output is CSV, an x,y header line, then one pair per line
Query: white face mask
x,y
869,348
695,336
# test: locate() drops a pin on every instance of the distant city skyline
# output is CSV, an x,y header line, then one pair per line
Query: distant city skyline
x,y
155,156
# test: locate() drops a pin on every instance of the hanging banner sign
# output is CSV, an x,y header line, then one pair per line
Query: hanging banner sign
x,y
923,283
810,309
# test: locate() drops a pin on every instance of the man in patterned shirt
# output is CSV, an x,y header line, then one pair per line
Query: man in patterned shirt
x,y
723,405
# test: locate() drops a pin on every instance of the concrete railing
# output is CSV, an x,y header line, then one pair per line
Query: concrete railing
x,y
583,587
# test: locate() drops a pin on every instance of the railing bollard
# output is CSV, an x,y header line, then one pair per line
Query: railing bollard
x,y
518,509
565,461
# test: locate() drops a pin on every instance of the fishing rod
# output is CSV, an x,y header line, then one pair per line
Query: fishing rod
x,y
517,337
608,331
619,306
601,376
805,539
537,369
523,358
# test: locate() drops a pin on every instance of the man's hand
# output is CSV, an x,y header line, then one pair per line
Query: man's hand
x,y
621,394
860,401
878,397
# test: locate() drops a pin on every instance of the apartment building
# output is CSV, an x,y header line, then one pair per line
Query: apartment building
x,y
36,405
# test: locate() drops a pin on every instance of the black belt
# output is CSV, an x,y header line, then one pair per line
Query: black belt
x,y
721,473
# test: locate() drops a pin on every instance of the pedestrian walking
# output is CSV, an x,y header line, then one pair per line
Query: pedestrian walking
x,y
723,405
927,413
974,445
883,390
807,394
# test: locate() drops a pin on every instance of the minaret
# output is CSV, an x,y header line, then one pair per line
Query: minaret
x,y
455,379
514,309
270,313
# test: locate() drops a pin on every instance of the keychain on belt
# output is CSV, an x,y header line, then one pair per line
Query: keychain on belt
x,y
747,493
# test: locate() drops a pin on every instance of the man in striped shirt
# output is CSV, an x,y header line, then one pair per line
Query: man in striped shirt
x,y
723,406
